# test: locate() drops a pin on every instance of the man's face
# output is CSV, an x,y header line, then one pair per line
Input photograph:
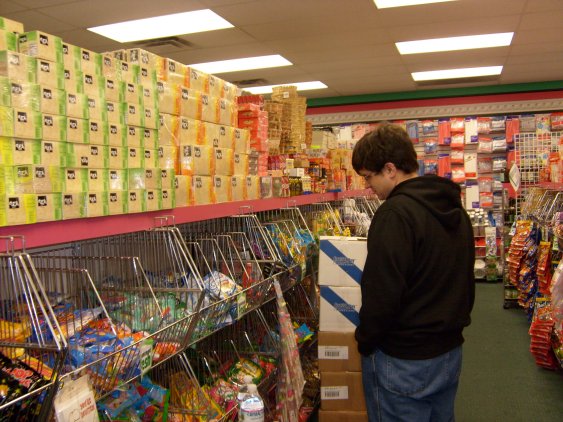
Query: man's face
x,y
381,183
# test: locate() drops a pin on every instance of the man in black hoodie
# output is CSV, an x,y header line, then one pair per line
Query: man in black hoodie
x,y
417,285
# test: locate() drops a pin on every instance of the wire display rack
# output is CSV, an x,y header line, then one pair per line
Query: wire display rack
x,y
32,347
532,157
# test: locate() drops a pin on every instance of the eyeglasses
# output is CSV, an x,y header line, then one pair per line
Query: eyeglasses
x,y
367,177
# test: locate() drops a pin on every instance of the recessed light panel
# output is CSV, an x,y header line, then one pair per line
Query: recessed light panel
x,y
236,65
301,86
455,43
469,72
384,4
163,26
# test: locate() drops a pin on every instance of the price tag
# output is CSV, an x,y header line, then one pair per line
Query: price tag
x,y
145,357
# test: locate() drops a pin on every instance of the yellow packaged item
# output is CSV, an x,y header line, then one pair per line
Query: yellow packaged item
x,y
117,134
169,129
77,105
209,110
54,128
117,158
50,74
136,201
167,157
115,90
44,206
190,103
241,141
18,67
26,124
90,62
52,101
135,136
196,79
77,131
203,190
168,199
253,187
151,118
73,205
41,45
150,138
94,84
153,198
71,56
238,188
168,97
183,190
25,96
190,131
98,132
240,164
13,210
222,188
117,179
133,93
117,202
204,160
135,114
224,163
96,204
11,25
53,153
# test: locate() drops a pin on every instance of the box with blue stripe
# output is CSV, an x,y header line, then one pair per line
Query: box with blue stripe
x,y
340,308
341,260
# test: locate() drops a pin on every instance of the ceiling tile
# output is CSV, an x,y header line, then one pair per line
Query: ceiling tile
x,y
7,7
35,20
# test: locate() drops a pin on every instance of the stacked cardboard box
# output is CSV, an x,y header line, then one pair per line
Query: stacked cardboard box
x,y
341,263
30,167
197,137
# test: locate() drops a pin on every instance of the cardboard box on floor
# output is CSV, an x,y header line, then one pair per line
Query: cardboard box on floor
x,y
342,416
342,391
338,352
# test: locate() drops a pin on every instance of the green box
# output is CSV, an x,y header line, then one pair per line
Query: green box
x,y
136,201
150,138
44,206
73,80
135,158
134,114
25,95
117,134
167,178
71,56
7,181
41,45
8,40
53,100
30,178
168,198
135,136
152,119
97,108
75,180
110,68
73,205
54,127
78,155
11,25
150,97
117,157
136,179
147,77
20,151
115,90
150,158
153,178
98,132
18,66
96,204
129,72
53,153
6,121
77,105
28,124
118,179
133,93
14,212
5,92
94,84
50,74
98,180
90,62
77,130
153,199
117,202
116,112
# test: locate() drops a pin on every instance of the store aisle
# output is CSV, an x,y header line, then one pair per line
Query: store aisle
x,y
499,379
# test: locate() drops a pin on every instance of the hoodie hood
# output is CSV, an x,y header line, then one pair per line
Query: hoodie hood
x,y
440,196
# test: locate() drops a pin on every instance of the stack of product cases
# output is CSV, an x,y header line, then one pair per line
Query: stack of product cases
x,y
341,264
85,134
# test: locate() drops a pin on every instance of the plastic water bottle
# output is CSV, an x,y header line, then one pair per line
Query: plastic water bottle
x,y
243,390
252,406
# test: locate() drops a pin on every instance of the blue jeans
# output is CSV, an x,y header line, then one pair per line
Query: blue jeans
x,y
411,390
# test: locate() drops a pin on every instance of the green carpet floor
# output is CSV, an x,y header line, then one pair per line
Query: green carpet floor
x,y
500,380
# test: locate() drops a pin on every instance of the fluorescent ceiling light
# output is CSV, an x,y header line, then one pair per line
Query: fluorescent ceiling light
x,y
469,72
455,43
235,65
163,26
301,86
384,4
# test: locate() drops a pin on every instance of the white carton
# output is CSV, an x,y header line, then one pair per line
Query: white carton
x,y
340,308
341,260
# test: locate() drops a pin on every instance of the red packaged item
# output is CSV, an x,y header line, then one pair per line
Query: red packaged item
x,y
512,128
444,132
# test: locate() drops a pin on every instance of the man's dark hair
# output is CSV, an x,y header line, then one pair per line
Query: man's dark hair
x,y
388,143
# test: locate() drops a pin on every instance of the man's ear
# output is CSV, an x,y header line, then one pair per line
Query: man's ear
x,y
390,169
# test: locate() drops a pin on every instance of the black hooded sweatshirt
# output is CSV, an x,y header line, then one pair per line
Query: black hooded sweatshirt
x,y
417,285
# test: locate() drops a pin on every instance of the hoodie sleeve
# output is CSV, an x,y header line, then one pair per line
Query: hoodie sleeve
x,y
384,280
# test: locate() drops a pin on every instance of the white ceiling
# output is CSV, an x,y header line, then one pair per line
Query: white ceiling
x,y
347,44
